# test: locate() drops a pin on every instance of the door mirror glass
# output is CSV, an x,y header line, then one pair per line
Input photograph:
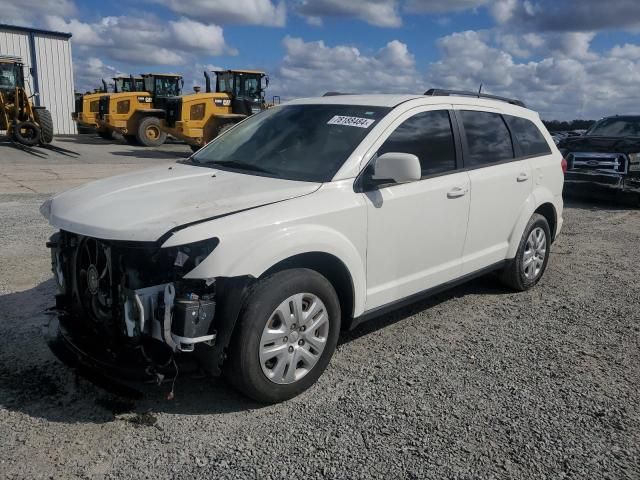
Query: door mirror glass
x,y
396,167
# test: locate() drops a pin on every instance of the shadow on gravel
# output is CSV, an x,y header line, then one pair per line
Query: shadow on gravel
x,y
485,285
34,382
600,203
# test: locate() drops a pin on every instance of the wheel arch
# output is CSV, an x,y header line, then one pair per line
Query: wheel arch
x,y
540,201
330,267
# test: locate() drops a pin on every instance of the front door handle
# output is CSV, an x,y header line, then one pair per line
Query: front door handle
x,y
523,177
457,192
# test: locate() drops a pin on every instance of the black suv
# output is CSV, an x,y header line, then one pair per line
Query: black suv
x,y
605,160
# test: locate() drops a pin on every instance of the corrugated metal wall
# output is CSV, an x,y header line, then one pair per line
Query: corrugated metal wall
x,y
55,79
55,72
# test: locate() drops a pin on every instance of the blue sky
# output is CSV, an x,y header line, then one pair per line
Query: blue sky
x,y
568,59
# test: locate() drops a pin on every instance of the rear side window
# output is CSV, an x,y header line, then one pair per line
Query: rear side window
x,y
429,137
488,138
532,142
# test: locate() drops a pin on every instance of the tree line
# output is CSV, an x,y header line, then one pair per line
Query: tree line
x,y
560,126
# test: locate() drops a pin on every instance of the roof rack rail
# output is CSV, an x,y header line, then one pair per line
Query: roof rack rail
x,y
434,92
333,94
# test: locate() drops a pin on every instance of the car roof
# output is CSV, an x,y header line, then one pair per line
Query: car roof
x,y
373,100
393,100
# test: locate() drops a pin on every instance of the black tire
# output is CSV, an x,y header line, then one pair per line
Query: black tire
x,y
131,139
194,148
243,367
46,125
26,133
514,275
105,134
149,133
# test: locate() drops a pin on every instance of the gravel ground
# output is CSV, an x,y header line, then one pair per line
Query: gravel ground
x,y
474,383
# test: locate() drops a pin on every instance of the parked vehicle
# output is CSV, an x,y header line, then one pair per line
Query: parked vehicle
x,y
137,115
199,117
605,161
24,122
87,105
302,220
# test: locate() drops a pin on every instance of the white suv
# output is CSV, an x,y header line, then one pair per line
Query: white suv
x,y
300,221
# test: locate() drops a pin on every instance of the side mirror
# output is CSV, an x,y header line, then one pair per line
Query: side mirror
x,y
396,167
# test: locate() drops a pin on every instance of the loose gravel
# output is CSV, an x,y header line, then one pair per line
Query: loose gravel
x,y
475,383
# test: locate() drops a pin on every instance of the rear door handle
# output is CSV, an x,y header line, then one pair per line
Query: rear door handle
x,y
523,177
457,192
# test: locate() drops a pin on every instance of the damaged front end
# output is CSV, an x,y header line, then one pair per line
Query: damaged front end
x,y
128,302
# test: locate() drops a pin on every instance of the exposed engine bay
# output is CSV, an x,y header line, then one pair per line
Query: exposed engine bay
x,y
130,293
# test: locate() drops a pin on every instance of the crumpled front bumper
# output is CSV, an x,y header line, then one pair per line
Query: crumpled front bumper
x,y
120,372
602,184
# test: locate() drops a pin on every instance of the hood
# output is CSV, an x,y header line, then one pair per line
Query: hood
x,y
144,205
592,143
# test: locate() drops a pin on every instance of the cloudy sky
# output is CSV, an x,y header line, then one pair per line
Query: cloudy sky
x,y
566,58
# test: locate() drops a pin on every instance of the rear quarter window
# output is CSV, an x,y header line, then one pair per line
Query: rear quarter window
x,y
529,137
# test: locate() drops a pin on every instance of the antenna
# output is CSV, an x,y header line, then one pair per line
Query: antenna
x,y
480,90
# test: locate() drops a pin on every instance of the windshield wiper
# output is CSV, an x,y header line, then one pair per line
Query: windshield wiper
x,y
240,166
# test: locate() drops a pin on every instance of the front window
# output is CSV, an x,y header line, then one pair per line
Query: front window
x,y
251,86
225,82
294,142
162,86
9,76
616,127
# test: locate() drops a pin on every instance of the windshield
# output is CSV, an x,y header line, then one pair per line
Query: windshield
x,y
225,82
8,75
616,127
294,142
162,86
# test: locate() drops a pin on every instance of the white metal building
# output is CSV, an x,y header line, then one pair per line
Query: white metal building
x,y
48,70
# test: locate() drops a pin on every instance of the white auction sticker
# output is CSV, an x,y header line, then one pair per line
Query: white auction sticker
x,y
351,121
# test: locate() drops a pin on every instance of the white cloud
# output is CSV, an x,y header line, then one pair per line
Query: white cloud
x,y
251,12
90,71
567,16
572,83
28,12
441,6
313,68
382,13
144,41
140,42
628,51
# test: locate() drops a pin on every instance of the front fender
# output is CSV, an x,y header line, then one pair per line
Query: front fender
x,y
253,255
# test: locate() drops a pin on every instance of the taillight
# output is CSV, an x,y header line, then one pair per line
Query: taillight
x,y
564,165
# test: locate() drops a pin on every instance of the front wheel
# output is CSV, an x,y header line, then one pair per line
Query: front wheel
x,y
149,133
530,262
287,333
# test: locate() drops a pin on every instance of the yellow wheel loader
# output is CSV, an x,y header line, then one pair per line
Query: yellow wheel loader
x,y
198,118
137,115
87,105
24,123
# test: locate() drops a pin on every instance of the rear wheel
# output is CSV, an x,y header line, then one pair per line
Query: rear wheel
x,y
286,335
149,133
46,125
26,133
530,262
